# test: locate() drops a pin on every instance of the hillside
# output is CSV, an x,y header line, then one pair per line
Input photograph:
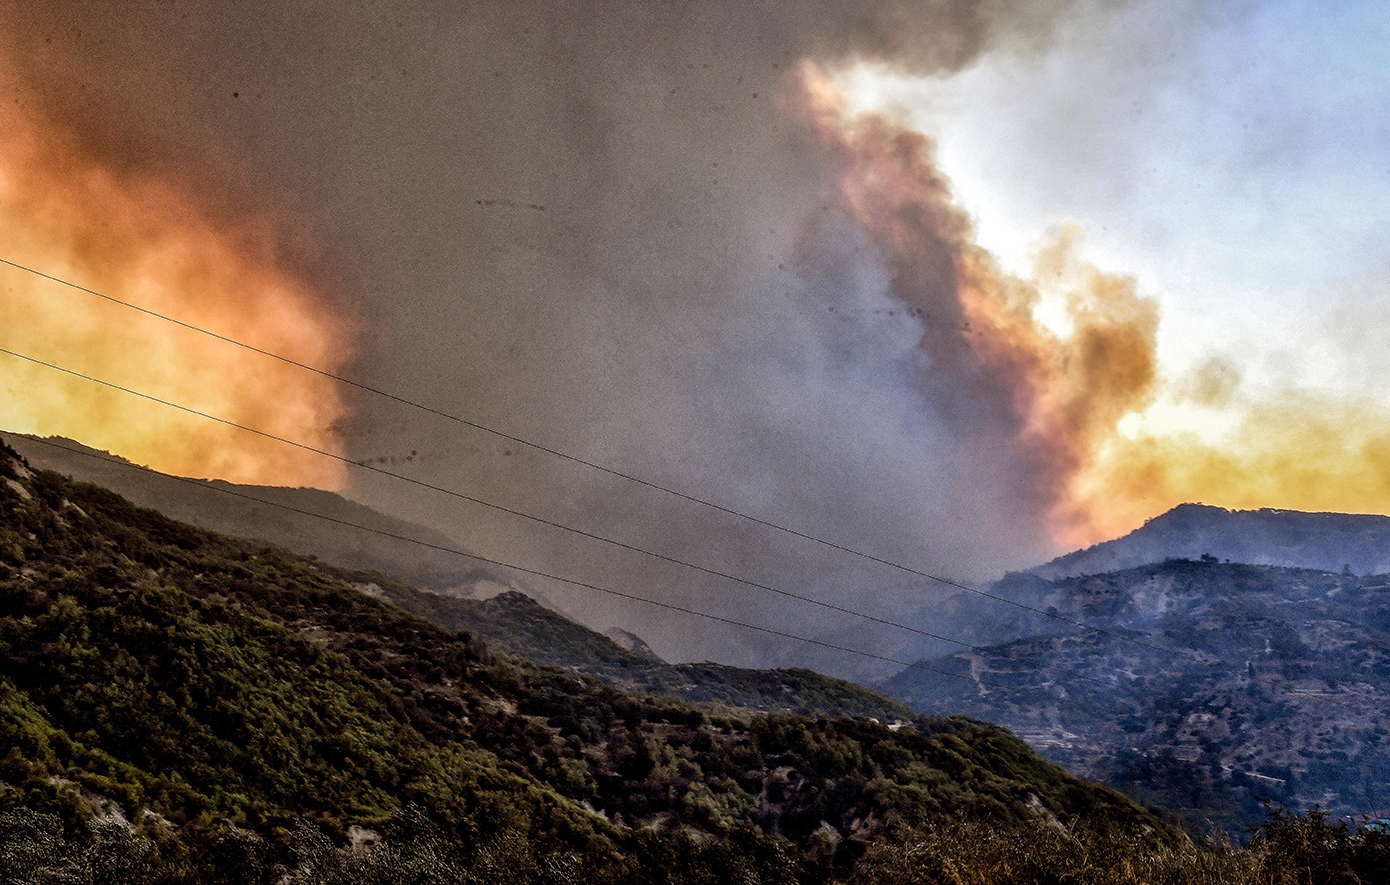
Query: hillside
x,y
1279,692
510,621
518,625
275,515
1332,542
153,672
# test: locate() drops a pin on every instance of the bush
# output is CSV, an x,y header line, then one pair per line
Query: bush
x,y
1311,850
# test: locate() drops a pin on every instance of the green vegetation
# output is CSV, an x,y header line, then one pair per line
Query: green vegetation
x,y
178,707
1288,849
518,625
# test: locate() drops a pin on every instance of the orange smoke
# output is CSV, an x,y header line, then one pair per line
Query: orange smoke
x,y
1041,402
144,239
1044,402
1298,451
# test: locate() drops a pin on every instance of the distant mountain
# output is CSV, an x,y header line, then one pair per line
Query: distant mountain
x,y
1358,543
1251,682
235,713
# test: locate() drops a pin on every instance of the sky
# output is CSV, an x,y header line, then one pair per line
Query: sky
x,y
960,285
1237,154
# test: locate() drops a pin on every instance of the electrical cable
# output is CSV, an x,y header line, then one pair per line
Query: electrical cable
x,y
537,519
918,665
608,470
513,566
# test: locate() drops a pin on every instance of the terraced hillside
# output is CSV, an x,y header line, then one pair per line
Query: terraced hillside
x,y
1274,686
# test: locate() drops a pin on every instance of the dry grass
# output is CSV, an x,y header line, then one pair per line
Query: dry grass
x,y
974,853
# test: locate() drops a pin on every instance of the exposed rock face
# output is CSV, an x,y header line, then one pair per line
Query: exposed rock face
x,y
629,641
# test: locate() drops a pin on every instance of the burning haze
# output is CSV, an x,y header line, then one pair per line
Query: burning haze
x,y
672,240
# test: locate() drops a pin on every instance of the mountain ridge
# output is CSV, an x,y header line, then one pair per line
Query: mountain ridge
x,y
277,515
1324,541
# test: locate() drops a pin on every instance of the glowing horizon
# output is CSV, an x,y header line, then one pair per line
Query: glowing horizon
x,y
144,239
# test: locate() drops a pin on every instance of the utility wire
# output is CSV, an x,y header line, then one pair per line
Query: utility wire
x,y
543,521
843,548
542,574
518,568
918,665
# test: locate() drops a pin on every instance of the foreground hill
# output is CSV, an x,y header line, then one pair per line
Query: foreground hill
x,y
1276,687
1332,542
280,516
244,706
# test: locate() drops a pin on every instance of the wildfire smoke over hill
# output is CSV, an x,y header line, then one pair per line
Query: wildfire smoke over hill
x,y
134,235
1059,373
1044,399
596,227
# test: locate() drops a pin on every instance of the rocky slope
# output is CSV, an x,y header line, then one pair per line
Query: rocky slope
x,y
1263,682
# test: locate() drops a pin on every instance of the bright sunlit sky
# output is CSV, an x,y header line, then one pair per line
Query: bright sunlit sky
x,y
1236,161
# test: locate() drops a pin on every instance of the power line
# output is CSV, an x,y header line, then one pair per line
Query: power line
x,y
537,519
917,665
843,548
518,568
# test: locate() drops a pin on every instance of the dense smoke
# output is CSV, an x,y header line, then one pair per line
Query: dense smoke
x,y
594,225
650,235
1040,402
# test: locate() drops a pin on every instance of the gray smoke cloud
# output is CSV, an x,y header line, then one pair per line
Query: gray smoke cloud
x,y
594,225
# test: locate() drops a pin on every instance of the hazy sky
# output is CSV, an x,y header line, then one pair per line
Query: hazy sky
x,y
1233,157
1087,261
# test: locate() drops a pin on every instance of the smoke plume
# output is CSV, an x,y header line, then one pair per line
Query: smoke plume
x,y
596,226
1040,372
1040,402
